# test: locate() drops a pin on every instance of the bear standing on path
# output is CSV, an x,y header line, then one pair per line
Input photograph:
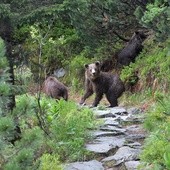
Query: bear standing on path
x,y
55,89
102,83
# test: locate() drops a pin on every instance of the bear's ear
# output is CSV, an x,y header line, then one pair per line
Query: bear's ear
x,y
97,63
86,65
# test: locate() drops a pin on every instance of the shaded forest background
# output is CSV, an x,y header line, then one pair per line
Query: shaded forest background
x,y
39,37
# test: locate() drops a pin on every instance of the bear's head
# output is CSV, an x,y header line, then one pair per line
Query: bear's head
x,y
138,37
92,70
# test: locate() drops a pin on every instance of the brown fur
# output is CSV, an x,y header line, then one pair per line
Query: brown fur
x,y
55,89
102,83
132,49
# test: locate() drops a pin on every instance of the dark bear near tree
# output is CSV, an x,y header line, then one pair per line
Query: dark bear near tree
x,y
55,89
132,49
100,83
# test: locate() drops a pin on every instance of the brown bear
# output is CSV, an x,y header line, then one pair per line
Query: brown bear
x,y
132,49
100,83
55,89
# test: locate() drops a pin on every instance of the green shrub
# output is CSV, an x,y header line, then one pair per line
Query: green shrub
x,y
70,129
48,162
23,76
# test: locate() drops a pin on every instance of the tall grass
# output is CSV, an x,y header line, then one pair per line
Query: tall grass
x,y
157,145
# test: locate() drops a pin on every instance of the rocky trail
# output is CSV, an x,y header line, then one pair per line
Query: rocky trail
x,y
117,143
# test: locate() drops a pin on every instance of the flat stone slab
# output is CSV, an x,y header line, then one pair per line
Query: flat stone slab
x,y
101,113
135,145
134,128
110,112
91,165
102,145
117,110
135,119
110,121
118,130
100,133
132,165
135,137
123,154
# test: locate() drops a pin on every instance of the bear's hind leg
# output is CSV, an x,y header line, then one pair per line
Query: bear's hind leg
x,y
112,100
97,99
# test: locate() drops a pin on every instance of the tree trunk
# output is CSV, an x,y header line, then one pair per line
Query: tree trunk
x,y
6,35
11,103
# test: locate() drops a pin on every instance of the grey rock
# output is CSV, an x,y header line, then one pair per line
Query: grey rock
x,y
123,154
132,165
133,137
133,128
91,165
103,145
103,114
117,130
110,121
123,118
60,72
110,112
135,145
118,110
100,133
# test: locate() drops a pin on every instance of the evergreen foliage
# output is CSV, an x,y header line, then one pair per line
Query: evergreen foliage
x,y
156,17
67,133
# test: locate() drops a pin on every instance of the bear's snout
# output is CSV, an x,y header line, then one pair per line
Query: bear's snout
x,y
93,72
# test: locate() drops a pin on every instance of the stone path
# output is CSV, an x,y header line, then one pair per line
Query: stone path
x,y
117,142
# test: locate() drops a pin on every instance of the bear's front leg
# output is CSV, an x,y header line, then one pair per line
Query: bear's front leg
x,y
97,99
88,91
86,95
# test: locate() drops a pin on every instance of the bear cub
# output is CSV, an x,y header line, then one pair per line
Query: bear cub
x,y
100,83
55,89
